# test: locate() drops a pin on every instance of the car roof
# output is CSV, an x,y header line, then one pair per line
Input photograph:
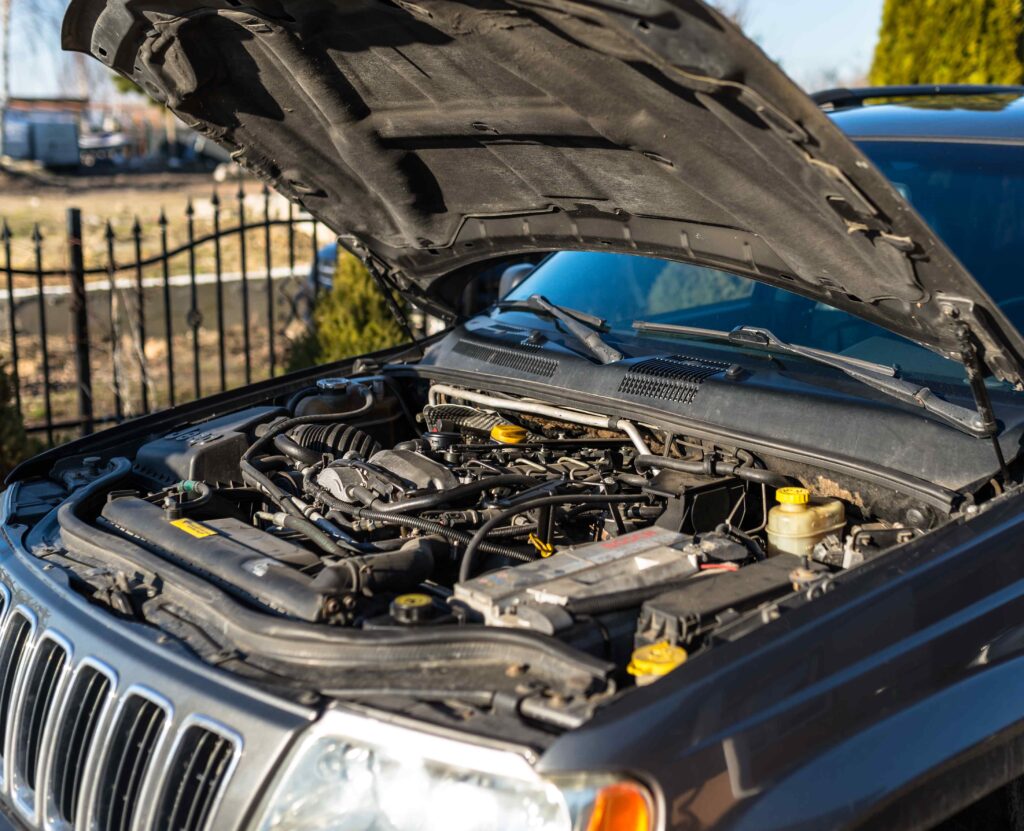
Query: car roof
x,y
950,112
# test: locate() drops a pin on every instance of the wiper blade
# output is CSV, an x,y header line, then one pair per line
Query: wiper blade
x,y
582,326
732,337
898,388
877,376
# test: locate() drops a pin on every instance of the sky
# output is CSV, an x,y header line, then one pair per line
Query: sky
x,y
819,42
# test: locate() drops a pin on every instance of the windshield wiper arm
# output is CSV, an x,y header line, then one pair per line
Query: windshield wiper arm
x,y
582,326
898,388
876,376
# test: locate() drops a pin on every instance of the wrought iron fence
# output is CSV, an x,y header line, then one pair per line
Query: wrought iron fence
x,y
155,314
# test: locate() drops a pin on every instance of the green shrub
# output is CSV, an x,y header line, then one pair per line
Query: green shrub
x,y
950,42
352,319
14,444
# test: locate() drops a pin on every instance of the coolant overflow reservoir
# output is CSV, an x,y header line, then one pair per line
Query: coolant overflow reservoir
x,y
798,522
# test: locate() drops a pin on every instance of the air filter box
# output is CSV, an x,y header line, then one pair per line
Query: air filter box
x,y
207,452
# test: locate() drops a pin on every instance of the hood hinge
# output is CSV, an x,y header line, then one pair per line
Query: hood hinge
x,y
975,370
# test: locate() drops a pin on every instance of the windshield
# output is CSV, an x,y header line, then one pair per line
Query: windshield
x,y
972,195
622,289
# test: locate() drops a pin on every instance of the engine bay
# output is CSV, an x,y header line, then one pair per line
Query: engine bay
x,y
379,511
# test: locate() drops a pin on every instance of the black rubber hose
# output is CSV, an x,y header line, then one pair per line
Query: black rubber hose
x,y
204,493
515,530
278,496
320,538
477,543
710,467
430,527
432,500
294,450
287,424
296,397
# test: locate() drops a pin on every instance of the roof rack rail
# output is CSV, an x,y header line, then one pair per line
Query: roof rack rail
x,y
835,99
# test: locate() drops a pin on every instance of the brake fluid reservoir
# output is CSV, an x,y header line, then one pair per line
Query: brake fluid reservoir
x,y
798,522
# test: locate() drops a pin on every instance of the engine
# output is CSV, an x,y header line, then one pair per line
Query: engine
x,y
347,507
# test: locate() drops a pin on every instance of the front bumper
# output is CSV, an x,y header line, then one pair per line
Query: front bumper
x,y
107,724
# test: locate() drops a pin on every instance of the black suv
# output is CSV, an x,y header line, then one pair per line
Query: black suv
x,y
711,521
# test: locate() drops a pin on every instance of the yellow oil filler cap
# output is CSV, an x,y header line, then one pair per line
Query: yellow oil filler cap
x,y
412,601
508,434
411,609
651,662
792,496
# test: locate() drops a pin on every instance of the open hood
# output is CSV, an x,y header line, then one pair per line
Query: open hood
x,y
430,134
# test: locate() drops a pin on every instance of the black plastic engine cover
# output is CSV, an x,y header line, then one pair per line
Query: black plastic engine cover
x,y
208,452
695,607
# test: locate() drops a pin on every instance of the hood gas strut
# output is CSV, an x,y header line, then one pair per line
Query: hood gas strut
x,y
982,399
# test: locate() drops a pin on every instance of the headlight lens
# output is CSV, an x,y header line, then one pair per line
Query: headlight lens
x,y
352,773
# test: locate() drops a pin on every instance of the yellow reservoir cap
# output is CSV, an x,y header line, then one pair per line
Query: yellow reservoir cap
x,y
508,433
412,601
656,659
793,496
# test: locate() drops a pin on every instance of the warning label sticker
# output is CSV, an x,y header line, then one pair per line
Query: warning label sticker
x,y
196,529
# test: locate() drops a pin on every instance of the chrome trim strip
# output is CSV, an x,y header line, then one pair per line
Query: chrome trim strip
x,y
47,733
97,753
212,726
140,691
48,809
156,767
14,706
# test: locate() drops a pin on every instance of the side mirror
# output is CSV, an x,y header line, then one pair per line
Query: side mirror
x,y
512,277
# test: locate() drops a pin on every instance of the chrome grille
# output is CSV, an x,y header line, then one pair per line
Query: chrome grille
x,y
34,708
198,770
85,704
55,731
133,740
109,727
12,649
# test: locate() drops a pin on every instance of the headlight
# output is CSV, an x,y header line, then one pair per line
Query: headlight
x,y
351,773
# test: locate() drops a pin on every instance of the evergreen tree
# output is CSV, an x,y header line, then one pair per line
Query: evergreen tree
x,y
352,319
14,444
950,42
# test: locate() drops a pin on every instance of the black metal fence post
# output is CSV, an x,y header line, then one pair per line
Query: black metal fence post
x,y
12,315
195,318
115,364
52,403
218,275
79,319
269,261
37,243
140,320
165,263
244,267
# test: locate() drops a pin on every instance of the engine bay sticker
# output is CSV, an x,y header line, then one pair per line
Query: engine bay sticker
x,y
196,529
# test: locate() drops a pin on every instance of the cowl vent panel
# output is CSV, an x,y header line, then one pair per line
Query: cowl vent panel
x,y
669,378
520,359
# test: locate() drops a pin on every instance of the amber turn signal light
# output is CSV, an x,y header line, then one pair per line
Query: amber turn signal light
x,y
623,806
